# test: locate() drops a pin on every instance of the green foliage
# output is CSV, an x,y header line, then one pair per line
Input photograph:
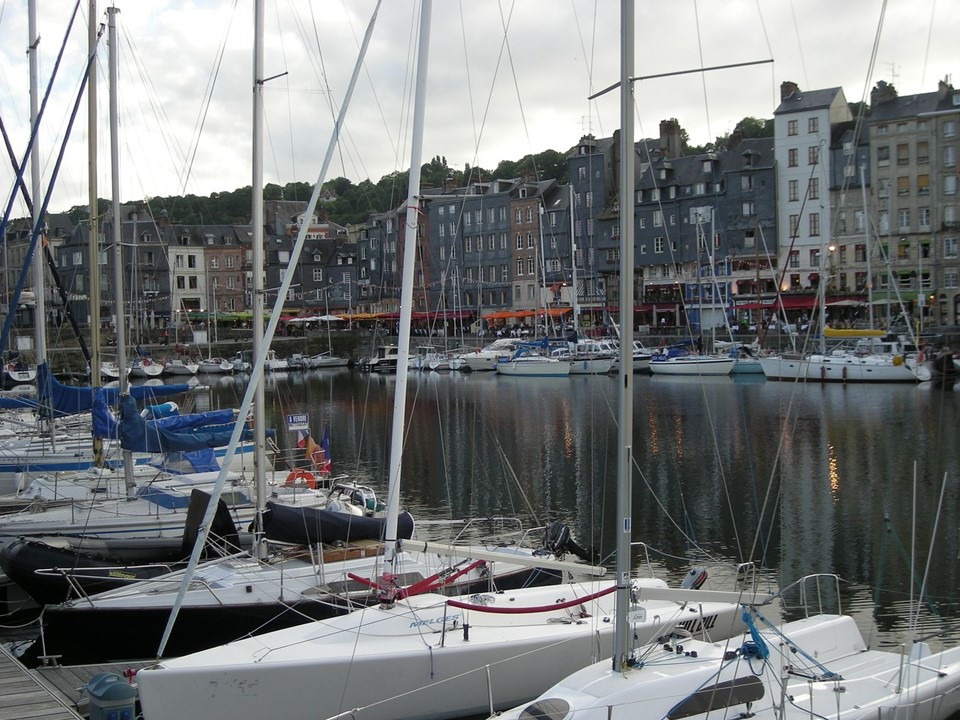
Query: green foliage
x,y
354,203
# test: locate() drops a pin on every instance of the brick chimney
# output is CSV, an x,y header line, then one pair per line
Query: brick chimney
x,y
448,183
882,92
670,143
788,88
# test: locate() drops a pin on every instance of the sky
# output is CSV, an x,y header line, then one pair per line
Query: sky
x,y
505,78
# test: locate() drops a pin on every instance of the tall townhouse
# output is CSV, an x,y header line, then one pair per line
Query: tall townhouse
x,y
848,263
370,273
526,256
593,168
903,261
185,258
803,125
223,256
941,126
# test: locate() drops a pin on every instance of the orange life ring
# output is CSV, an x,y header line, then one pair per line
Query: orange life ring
x,y
299,476
146,361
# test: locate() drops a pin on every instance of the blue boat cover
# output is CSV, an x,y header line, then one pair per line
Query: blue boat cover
x,y
63,399
177,433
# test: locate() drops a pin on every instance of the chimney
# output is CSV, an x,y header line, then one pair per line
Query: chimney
x,y
448,184
882,92
944,88
787,89
670,144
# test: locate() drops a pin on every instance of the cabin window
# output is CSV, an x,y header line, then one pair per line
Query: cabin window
x,y
729,693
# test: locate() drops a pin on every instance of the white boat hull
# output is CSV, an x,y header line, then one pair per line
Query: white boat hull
x,y
534,367
671,682
413,661
695,366
846,367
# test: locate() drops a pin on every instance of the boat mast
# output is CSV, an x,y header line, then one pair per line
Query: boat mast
x,y
866,232
573,267
259,432
39,286
93,241
116,225
621,637
392,545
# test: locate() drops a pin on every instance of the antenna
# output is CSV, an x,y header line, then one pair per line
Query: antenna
x,y
894,73
586,124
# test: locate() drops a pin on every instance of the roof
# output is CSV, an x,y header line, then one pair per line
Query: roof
x,y
907,106
802,101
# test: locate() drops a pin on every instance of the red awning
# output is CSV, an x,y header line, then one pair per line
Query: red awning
x,y
755,306
797,302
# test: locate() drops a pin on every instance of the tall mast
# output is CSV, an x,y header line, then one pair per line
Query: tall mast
x,y
259,432
93,257
391,542
573,266
866,233
116,226
621,637
39,286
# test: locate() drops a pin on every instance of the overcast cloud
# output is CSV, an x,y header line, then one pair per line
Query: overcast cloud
x,y
486,100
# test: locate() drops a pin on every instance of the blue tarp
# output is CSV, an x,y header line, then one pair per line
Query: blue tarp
x,y
16,403
177,433
69,400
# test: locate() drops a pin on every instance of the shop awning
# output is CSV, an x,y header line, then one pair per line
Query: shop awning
x,y
797,302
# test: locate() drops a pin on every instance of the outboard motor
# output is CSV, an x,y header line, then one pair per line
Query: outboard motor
x,y
557,540
696,576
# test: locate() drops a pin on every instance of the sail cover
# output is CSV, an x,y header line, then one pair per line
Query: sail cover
x,y
305,525
69,400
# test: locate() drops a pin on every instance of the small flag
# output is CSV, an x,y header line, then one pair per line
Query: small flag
x,y
301,439
320,454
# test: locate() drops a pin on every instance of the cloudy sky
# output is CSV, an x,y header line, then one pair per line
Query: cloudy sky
x,y
506,78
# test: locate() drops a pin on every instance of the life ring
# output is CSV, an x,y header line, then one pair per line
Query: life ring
x,y
302,477
146,361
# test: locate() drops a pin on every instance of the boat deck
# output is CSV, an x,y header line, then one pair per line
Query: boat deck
x,y
52,692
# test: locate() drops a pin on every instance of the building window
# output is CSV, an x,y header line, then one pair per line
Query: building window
x,y
949,156
491,242
923,217
700,189
746,183
530,241
792,126
794,259
531,268
903,219
903,154
657,218
842,223
950,247
468,245
813,188
950,185
794,225
858,221
318,274
950,278
658,244
814,224
520,266
923,184
792,155
504,273
530,210
813,125
747,209
883,156
949,128
793,190
903,186
813,154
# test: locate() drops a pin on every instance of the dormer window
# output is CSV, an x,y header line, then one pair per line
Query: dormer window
x,y
707,166
316,257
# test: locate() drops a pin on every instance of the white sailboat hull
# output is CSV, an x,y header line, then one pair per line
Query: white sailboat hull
x,y
695,365
868,684
534,367
412,661
840,367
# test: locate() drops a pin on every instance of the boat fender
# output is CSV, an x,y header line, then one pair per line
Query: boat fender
x,y
302,477
897,360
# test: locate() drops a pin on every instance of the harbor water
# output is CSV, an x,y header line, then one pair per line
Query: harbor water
x,y
856,480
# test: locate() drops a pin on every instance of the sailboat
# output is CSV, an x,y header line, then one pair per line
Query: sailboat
x,y
212,365
816,667
414,655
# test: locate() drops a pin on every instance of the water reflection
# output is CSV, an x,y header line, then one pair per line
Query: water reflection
x,y
801,479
